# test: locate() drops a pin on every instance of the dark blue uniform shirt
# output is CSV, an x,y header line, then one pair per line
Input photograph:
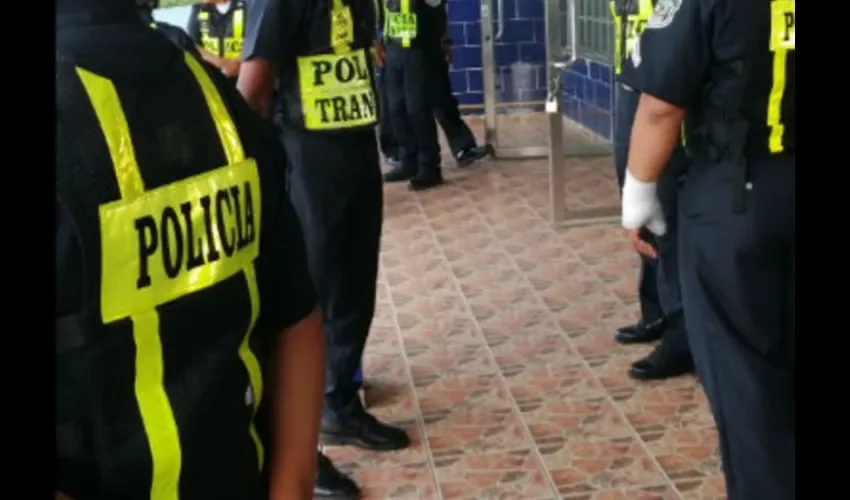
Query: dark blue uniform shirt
x,y
699,54
272,29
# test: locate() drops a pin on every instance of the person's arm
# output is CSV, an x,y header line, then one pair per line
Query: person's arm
x,y
230,67
270,29
295,390
62,496
667,66
299,382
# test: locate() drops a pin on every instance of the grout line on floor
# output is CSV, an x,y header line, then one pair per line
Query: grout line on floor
x,y
610,398
515,406
420,418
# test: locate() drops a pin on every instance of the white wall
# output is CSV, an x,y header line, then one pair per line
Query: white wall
x,y
178,16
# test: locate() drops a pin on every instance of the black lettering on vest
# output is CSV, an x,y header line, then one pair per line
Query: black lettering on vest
x,y
229,245
250,234
233,45
171,262
339,108
789,25
324,106
320,69
354,108
212,252
345,71
361,67
146,231
368,102
194,254
240,227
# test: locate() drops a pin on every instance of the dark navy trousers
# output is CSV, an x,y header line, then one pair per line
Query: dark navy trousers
x,y
659,289
335,185
738,286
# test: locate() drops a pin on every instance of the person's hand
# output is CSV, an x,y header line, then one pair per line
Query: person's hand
x,y
640,245
641,208
230,67
447,49
379,54
62,496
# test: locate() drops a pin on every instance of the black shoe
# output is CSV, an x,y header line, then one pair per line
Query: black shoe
x,y
642,331
331,483
393,161
399,174
422,182
661,364
468,156
363,430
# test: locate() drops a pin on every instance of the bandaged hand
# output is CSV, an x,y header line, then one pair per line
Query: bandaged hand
x,y
641,207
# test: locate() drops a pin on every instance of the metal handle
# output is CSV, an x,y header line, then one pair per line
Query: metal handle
x,y
572,57
500,19
571,12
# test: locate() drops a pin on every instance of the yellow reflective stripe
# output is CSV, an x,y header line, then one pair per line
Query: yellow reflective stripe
x,y
232,145
107,106
224,125
405,9
774,103
255,375
782,41
238,23
154,407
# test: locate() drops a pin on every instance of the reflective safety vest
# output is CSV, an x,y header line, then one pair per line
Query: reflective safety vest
x,y
154,258
630,17
333,88
399,22
228,47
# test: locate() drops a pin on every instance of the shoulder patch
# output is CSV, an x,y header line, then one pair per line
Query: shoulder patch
x,y
663,14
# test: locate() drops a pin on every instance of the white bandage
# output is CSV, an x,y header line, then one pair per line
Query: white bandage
x,y
641,207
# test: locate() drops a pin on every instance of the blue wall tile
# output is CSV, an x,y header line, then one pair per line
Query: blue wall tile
x,y
587,85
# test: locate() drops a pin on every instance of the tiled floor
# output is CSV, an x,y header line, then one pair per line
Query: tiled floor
x,y
493,345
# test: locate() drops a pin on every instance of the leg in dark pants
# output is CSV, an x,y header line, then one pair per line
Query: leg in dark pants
x,y
335,186
412,116
738,288
675,340
389,145
672,356
446,110
651,325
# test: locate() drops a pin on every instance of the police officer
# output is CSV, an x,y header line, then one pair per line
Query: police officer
x,y
410,29
173,33
180,277
462,142
218,28
736,85
318,53
659,289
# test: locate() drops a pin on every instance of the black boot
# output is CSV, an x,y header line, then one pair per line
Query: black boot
x,y
399,174
468,156
361,429
642,331
426,180
333,484
662,363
